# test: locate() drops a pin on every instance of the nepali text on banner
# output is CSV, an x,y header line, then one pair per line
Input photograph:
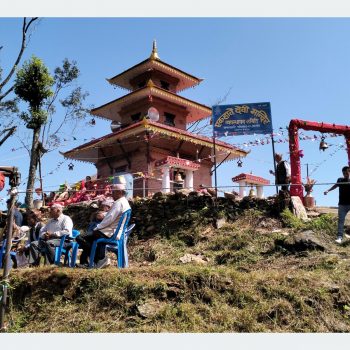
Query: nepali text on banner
x,y
242,119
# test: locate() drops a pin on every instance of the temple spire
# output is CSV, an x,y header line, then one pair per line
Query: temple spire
x,y
154,54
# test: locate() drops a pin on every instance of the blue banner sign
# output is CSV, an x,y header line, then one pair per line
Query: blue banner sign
x,y
242,119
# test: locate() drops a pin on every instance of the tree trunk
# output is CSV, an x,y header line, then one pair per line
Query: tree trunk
x,y
32,168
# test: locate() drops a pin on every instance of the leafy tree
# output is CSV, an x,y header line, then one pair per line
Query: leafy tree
x,y
33,85
43,93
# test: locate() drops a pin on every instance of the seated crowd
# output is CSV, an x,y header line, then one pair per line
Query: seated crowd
x,y
84,190
36,239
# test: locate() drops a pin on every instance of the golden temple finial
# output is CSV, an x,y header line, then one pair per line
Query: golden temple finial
x,y
150,83
154,54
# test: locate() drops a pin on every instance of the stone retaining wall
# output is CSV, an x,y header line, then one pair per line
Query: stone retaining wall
x,y
165,213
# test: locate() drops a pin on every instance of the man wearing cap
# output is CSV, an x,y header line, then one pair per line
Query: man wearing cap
x,y
105,229
50,235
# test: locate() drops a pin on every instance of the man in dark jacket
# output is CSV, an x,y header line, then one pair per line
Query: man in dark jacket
x,y
282,174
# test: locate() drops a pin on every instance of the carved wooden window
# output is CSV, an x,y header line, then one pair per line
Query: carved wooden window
x,y
169,119
136,117
120,169
141,84
164,85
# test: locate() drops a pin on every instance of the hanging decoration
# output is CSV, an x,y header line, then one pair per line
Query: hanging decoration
x,y
340,146
178,177
93,121
280,139
70,166
323,144
239,163
252,192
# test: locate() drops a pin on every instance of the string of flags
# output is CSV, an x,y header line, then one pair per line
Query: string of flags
x,y
279,137
339,147
59,164
268,139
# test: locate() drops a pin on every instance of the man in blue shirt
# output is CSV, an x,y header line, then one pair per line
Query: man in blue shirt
x,y
17,215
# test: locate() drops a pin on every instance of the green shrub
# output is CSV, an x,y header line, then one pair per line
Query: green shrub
x,y
326,223
290,220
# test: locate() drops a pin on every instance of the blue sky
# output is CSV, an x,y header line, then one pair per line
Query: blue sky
x,y
299,65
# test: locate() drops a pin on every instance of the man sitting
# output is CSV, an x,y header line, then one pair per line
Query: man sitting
x,y
105,229
35,224
50,235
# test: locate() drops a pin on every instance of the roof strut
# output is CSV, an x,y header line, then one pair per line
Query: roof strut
x,y
179,146
125,154
109,164
200,152
211,172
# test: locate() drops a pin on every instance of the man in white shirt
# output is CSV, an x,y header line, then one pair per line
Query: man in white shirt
x,y
105,229
50,235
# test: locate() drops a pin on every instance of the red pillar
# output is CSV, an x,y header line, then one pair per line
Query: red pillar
x,y
347,139
296,188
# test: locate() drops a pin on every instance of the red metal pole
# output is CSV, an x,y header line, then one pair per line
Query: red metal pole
x,y
294,126
14,179
347,139
296,188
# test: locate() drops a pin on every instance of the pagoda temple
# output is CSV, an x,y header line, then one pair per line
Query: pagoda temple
x,y
149,139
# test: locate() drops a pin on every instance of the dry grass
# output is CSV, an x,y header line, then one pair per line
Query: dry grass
x,y
249,284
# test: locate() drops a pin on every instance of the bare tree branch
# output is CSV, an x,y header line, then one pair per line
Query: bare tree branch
x,y
9,132
6,93
25,28
196,125
24,145
49,106
223,98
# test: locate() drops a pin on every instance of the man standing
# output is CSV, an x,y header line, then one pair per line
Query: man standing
x,y
105,229
344,200
282,174
17,215
50,235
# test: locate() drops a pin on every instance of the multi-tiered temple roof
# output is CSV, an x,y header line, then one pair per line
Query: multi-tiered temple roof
x,y
141,142
182,79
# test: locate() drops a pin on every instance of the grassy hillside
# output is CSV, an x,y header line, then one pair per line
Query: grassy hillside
x,y
254,274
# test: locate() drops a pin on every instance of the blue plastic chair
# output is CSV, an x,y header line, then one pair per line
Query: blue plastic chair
x,y
115,248
13,260
116,240
66,251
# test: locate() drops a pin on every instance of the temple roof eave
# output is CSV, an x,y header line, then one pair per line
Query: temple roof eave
x,y
110,110
228,152
122,80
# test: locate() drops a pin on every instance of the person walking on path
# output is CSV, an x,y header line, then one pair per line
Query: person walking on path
x,y
343,183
